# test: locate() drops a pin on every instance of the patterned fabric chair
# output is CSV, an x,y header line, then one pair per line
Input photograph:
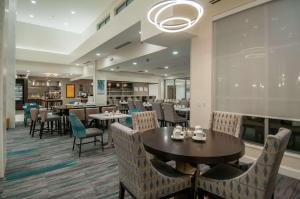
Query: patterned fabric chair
x,y
50,120
142,178
257,182
159,112
27,108
81,133
144,121
228,123
171,116
139,104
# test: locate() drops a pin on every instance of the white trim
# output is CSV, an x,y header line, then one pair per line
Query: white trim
x,y
239,9
283,170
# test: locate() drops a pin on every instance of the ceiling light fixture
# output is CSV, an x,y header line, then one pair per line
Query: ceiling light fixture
x,y
33,1
77,64
73,12
166,67
167,24
175,52
146,71
31,16
98,54
134,63
112,69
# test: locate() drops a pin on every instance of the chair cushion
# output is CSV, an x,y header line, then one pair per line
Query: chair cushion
x,y
91,132
165,169
223,172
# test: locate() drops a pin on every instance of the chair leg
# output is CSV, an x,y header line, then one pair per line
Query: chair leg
x,y
74,143
80,147
102,144
31,126
41,130
121,191
33,129
272,197
200,194
95,140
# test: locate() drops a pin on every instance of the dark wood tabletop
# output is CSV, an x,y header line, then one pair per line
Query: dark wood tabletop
x,y
218,147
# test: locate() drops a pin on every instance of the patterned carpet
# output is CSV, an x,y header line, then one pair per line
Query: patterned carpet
x,y
48,168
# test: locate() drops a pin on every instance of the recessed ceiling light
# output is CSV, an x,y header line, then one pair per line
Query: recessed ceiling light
x,y
98,54
140,32
112,69
31,16
33,1
77,64
28,71
166,67
71,74
146,71
66,23
73,12
175,52
134,63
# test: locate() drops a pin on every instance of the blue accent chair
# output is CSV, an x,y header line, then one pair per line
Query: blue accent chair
x,y
80,132
129,119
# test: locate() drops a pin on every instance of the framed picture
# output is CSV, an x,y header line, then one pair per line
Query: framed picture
x,y
70,88
101,87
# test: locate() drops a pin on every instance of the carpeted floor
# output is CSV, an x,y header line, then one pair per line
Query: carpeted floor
x,y
48,168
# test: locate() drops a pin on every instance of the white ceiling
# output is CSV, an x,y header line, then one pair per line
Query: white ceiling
x,y
58,13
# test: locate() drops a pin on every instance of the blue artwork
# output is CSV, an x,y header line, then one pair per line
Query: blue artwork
x,y
101,87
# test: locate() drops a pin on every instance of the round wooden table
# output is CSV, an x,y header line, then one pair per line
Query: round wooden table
x,y
218,148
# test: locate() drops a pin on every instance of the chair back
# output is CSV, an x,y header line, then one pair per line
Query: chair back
x,y
169,112
228,123
79,112
158,109
28,107
144,121
132,159
184,102
108,109
130,104
129,119
43,114
34,114
90,111
77,126
261,176
139,104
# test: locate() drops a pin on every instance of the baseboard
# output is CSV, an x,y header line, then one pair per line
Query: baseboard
x,y
283,170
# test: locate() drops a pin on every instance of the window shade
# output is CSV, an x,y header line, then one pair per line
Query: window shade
x,y
257,61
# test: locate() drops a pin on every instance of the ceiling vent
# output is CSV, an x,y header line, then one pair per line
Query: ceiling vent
x,y
123,45
213,1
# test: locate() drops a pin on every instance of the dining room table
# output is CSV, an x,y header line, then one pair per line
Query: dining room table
x,y
109,118
217,148
188,153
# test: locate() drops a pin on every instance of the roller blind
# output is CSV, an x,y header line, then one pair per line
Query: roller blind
x,y
257,60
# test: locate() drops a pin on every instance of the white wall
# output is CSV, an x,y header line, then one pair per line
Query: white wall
x,y
202,79
7,73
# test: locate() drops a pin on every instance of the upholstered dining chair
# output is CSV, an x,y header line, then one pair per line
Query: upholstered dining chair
x,y
159,112
257,182
130,104
225,122
144,121
142,178
27,108
171,116
50,120
81,133
139,104
34,118
90,111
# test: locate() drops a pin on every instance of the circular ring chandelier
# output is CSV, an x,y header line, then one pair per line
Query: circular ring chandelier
x,y
176,23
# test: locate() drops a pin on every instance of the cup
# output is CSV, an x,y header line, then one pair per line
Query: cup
x,y
118,112
198,127
179,127
176,133
106,113
199,134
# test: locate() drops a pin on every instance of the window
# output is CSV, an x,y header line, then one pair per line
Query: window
x,y
123,6
102,23
177,89
256,56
